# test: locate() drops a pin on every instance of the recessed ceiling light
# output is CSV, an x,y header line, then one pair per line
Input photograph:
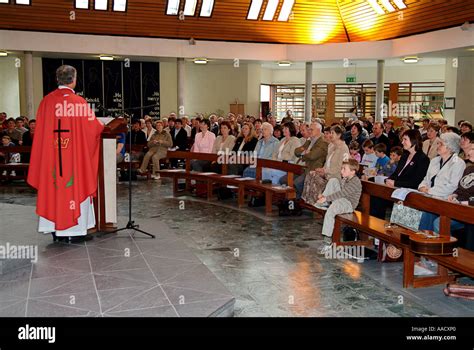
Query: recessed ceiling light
x,y
285,11
270,10
377,8
472,49
284,63
23,2
3,53
106,58
200,60
411,59
400,4
255,8
206,8
173,7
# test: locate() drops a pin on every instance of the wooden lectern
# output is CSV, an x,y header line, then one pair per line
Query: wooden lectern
x,y
105,203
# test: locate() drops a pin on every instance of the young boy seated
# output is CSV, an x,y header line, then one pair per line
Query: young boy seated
x,y
382,159
369,158
340,196
8,157
389,168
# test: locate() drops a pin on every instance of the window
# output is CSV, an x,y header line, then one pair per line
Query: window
x,y
264,93
101,5
206,8
270,10
190,7
82,4
173,7
120,5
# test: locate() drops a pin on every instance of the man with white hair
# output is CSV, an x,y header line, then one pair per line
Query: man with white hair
x,y
267,148
313,153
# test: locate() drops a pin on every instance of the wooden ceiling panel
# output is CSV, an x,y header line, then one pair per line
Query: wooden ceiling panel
x,y
312,22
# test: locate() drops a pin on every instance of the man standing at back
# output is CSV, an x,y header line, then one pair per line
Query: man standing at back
x,y
64,161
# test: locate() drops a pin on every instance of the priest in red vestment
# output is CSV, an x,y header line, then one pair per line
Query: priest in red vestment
x,y
64,160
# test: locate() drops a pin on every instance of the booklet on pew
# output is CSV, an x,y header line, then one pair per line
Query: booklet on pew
x,y
245,178
174,170
208,173
230,176
402,193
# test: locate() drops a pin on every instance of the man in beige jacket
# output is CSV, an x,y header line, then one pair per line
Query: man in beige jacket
x,y
313,153
158,147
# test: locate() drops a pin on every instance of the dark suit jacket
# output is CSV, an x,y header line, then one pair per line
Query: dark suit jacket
x,y
180,140
248,147
382,139
316,156
414,173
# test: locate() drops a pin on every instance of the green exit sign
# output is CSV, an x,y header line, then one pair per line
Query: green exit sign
x,y
350,79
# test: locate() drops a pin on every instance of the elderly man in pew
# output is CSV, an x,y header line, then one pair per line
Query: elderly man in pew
x,y
312,154
316,180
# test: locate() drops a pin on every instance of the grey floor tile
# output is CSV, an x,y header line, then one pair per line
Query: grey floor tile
x,y
37,308
13,308
150,298
85,300
161,311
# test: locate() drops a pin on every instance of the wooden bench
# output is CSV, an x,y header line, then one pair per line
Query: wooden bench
x,y
243,187
20,169
372,226
124,166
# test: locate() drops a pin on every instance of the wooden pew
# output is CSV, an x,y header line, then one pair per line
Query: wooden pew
x,y
21,169
361,220
247,186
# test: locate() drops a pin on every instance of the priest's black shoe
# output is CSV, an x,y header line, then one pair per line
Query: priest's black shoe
x,y
79,239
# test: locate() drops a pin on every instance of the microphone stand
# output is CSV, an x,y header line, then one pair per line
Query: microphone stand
x,y
131,225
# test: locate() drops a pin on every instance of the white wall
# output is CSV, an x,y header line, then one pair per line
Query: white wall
x,y
9,88
395,74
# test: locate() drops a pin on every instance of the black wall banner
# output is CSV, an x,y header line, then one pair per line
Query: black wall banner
x,y
113,95
112,84
151,88
132,87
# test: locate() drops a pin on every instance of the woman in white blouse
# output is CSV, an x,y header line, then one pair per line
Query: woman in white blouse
x,y
149,130
286,153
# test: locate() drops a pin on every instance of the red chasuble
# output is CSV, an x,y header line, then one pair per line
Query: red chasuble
x,y
64,157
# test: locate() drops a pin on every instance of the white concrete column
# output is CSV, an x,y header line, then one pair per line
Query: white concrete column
x,y
29,91
379,91
308,92
181,82
464,103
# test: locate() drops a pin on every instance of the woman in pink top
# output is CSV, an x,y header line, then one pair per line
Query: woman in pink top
x,y
203,143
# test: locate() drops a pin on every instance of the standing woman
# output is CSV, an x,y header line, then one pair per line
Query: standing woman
x,y
316,180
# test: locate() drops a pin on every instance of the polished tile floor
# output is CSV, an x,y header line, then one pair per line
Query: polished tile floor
x,y
271,265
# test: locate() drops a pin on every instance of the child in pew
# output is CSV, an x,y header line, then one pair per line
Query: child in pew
x,y
9,157
389,168
382,159
341,196
369,159
354,151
